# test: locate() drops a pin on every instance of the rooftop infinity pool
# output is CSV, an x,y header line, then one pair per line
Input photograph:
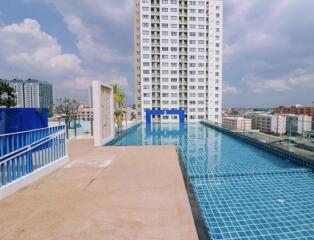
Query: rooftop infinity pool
x,y
243,192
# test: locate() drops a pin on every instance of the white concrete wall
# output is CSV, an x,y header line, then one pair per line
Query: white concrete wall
x,y
99,107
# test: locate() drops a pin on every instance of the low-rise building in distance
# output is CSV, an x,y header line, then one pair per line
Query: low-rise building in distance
x,y
281,124
240,123
85,113
296,110
269,123
298,124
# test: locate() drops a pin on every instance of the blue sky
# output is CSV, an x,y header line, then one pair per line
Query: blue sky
x,y
268,47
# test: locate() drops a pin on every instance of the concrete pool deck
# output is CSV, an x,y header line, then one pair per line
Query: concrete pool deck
x,y
104,193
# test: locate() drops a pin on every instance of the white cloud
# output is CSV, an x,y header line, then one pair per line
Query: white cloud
x,y
26,48
104,33
292,82
228,89
115,11
90,49
266,44
276,85
91,23
82,82
301,78
28,52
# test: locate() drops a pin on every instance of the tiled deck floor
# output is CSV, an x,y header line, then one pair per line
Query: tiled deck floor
x,y
140,195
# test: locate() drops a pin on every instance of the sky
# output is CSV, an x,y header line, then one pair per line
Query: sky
x,y
268,48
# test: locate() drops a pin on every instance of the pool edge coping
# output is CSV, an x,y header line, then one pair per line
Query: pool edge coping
x,y
198,218
271,149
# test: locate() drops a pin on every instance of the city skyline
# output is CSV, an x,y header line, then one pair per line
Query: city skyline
x,y
267,48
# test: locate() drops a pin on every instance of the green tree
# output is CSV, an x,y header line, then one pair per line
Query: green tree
x,y
67,109
118,117
118,97
7,95
50,111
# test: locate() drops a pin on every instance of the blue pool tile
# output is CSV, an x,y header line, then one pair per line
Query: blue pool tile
x,y
243,192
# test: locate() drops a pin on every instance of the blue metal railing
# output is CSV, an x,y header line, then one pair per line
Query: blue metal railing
x,y
22,153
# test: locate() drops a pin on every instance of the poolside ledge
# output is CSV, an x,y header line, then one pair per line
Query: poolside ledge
x,y
104,193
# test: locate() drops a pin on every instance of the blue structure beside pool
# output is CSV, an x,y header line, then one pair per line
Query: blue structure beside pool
x,y
22,119
243,192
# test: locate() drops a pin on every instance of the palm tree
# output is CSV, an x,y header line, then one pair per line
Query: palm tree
x,y
118,97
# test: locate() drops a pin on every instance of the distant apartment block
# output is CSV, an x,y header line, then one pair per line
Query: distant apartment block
x,y
269,123
32,93
178,60
85,113
289,124
298,124
240,123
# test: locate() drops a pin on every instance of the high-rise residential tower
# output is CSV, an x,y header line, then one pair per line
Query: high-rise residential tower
x,y
18,86
38,94
178,46
32,93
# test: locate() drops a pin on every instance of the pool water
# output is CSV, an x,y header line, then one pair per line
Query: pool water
x,y
243,192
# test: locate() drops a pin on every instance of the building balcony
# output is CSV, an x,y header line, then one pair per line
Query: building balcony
x,y
155,20
156,36
155,13
156,44
156,66
156,52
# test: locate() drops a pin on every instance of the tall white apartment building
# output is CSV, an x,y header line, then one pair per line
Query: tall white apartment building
x,y
178,46
31,94
18,86
38,94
